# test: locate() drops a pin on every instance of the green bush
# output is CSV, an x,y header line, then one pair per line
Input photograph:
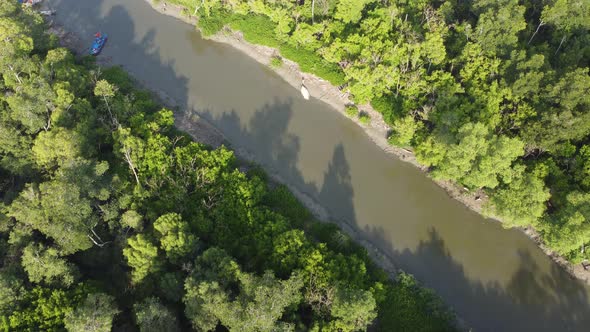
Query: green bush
x,y
388,106
409,307
284,202
351,111
212,24
364,118
312,63
257,29
276,62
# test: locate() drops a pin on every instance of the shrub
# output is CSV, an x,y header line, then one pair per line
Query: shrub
x,y
276,62
284,202
409,307
312,63
389,107
257,29
352,111
212,24
364,118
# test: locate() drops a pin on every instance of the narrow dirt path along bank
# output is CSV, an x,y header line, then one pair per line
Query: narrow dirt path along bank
x,y
377,130
496,279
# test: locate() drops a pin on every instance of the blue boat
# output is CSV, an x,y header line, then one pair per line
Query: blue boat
x,y
98,43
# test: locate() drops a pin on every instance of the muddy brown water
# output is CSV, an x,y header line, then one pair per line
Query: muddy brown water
x,y
496,279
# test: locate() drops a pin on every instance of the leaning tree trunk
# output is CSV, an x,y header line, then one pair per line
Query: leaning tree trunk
x,y
561,43
127,155
198,7
534,34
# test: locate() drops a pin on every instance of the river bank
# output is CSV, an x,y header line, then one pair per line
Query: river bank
x,y
203,131
377,129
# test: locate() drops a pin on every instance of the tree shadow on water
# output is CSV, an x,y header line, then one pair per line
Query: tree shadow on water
x,y
531,300
138,53
266,139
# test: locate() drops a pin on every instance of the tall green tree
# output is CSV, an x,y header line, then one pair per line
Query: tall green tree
x,y
12,291
479,159
58,210
175,236
498,25
569,231
43,264
567,15
94,314
350,11
142,256
353,310
258,306
522,202
153,316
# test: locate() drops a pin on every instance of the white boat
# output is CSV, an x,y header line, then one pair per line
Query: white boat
x,y
47,12
304,91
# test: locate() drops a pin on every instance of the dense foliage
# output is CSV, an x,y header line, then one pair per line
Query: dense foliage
x,y
111,218
491,94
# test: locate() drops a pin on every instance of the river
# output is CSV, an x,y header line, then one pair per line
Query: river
x,y
495,279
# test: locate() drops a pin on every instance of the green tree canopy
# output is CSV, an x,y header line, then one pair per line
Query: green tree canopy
x,y
479,159
499,24
152,316
570,230
43,264
57,210
142,257
94,314
258,306
175,236
523,201
353,310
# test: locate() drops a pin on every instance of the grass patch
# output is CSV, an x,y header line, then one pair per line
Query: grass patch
x,y
312,63
212,24
276,62
257,29
364,118
351,111
184,3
